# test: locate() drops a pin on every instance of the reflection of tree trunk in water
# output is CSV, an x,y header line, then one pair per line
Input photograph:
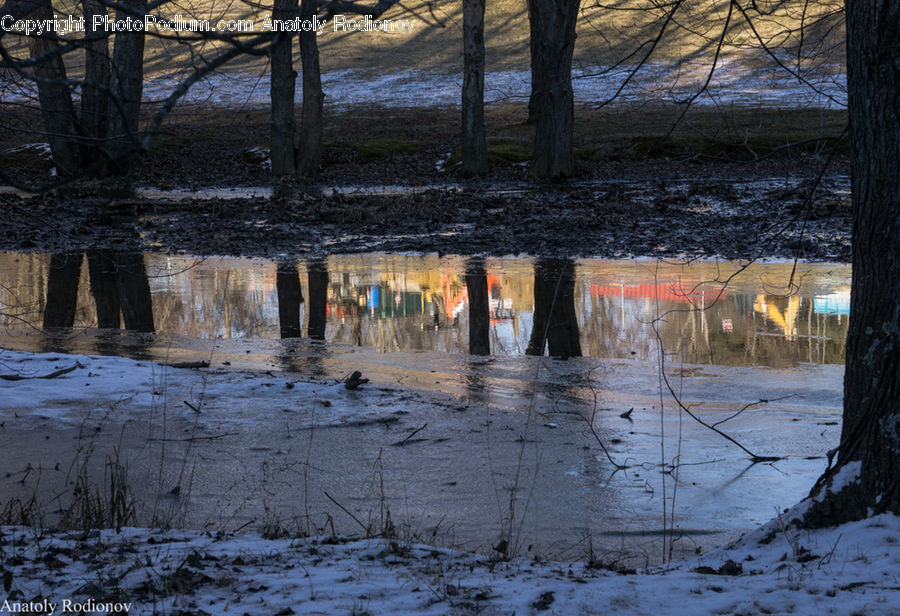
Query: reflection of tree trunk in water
x,y
555,322
104,288
290,296
317,272
62,290
479,309
134,291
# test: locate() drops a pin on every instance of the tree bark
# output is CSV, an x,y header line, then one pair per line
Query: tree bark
x,y
552,43
309,150
95,94
479,308
55,98
284,80
474,141
127,85
871,429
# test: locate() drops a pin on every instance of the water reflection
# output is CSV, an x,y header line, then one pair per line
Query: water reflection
x,y
62,290
118,284
290,297
555,323
317,275
478,306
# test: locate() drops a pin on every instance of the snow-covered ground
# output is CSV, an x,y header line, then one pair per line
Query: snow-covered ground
x,y
732,82
851,570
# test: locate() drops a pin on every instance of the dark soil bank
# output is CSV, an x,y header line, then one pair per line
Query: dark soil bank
x,y
736,219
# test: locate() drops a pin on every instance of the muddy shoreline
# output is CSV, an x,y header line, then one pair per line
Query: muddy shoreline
x,y
734,218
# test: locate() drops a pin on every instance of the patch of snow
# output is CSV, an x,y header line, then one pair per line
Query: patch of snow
x,y
851,569
847,475
733,82
42,149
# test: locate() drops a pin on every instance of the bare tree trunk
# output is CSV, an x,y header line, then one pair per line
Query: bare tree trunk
x,y
479,308
871,428
55,98
309,151
552,43
95,94
474,142
284,80
127,84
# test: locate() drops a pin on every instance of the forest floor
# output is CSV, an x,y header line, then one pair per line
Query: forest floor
x,y
389,183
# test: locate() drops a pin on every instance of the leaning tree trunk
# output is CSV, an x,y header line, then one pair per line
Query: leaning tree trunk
x,y
309,152
127,85
284,79
552,43
474,142
55,98
95,94
871,431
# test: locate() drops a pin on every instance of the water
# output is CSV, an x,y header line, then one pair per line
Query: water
x,y
392,303
507,414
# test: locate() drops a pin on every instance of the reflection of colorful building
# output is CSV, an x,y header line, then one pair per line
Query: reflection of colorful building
x,y
501,308
834,303
663,291
784,317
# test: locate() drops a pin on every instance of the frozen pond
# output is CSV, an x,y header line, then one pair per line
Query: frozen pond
x,y
465,406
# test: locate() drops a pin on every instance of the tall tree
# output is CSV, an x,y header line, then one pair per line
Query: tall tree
x,y
54,96
474,141
870,436
309,151
127,85
552,101
283,83
95,93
